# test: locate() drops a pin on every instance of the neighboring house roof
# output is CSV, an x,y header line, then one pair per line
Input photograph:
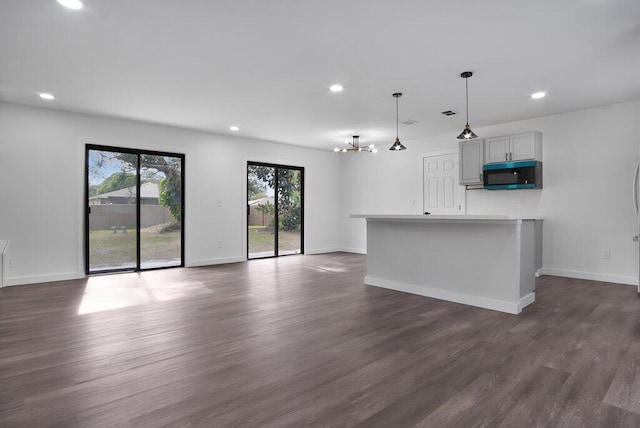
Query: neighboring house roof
x,y
262,201
147,190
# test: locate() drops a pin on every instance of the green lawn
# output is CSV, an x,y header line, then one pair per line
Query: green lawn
x,y
261,240
110,250
119,250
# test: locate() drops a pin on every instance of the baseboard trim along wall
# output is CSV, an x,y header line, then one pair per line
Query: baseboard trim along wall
x,y
617,279
355,250
451,296
323,250
76,275
24,280
208,262
602,277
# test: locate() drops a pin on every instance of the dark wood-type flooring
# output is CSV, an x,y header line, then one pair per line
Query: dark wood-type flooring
x,y
300,341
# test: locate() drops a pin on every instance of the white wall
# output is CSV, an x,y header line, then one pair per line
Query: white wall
x,y
42,170
589,160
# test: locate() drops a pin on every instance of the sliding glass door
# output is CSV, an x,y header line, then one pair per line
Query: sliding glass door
x,y
112,201
274,210
160,211
134,209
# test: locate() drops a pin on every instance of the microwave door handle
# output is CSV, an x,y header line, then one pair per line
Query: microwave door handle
x,y
635,189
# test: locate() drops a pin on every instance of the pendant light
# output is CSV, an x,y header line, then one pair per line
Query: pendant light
x,y
397,146
467,133
355,147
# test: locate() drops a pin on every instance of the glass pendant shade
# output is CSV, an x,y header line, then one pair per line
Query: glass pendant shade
x,y
467,133
397,146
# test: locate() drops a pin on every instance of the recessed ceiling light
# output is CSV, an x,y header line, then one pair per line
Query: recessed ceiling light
x,y
234,128
336,88
46,96
538,95
71,4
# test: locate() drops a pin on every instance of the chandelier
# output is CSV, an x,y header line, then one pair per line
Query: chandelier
x,y
355,147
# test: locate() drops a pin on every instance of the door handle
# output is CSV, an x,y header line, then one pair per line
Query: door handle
x,y
635,238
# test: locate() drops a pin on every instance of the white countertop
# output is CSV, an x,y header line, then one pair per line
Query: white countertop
x,y
445,218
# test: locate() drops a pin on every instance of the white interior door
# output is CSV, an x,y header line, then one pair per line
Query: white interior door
x,y
442,193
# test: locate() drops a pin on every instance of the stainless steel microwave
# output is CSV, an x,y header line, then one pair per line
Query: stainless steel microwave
x,y
513,175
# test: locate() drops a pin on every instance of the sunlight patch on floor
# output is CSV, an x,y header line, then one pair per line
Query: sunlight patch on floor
x,y
108,292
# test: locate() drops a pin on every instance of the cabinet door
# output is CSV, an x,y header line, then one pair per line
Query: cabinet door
x,y
523,146
496,149
471,161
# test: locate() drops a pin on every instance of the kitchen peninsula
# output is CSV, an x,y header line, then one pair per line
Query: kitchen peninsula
x,y
486,261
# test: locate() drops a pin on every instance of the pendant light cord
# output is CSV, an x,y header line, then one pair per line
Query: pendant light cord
x,y
397,132
466,85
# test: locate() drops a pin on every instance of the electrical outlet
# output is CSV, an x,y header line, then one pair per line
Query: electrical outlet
x,y
219,244
606,253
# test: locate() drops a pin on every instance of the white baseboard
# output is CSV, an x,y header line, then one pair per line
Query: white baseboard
x,y
37,279
323,250
208,262
526,301
452,296
603,277
354,250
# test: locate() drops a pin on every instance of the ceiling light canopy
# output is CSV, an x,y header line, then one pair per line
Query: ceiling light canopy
x,y
72,4
467,133
46,96
538,95
336,88
397,145
355,147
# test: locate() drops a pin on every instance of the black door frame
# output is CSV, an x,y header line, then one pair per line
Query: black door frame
x,y
87,208
275,206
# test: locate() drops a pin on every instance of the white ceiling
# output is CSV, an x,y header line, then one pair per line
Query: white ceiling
x,y
266,65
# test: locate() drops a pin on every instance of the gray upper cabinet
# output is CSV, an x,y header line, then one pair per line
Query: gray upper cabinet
x,y
471,154
523,146
497,149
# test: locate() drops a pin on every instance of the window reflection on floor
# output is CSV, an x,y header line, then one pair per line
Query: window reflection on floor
x,y
107,292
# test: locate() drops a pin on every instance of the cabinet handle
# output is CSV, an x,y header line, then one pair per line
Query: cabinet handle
x,y
510,156
506,156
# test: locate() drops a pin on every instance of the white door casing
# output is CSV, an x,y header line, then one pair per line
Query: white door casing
x,y
442,193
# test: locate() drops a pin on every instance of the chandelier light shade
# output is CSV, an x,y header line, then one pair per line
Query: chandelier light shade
x,y
397,146
467,133
355,147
